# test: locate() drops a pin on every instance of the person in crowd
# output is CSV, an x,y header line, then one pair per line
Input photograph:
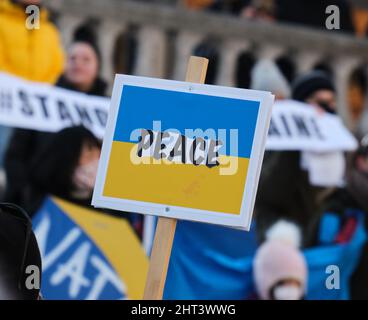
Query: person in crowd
x,y
353,197
33,54
18,250
316,89
268,77
357,92
287,67
81,74
279,267
83,65
30,53
260,9
208,49
244,66
284,187
66,168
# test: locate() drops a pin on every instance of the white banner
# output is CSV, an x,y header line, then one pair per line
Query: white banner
x,y
299,126
30,105
43,107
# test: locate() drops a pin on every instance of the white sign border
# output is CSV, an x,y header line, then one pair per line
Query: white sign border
x,y
241,221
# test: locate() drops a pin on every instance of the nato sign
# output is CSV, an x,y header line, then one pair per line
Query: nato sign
x,y
183,150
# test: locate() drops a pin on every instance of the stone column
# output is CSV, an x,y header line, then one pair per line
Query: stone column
x,y
185,43
229,53
107,34
270,52
151,57
305,60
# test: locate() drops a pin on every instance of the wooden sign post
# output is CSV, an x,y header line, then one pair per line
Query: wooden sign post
x,y
165,230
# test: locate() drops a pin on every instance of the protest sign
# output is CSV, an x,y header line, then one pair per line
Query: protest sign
x,y
88,254
37,106
183,150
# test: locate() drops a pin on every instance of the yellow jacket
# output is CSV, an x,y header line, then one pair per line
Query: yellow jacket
x,y
34,54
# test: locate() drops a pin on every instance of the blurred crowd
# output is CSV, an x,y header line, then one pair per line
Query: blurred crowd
x,y
35,164
310,13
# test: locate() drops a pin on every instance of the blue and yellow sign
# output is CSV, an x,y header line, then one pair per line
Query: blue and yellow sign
x,y
183,150
88,255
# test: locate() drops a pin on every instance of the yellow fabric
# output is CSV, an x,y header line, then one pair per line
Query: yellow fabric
x,y
117,241
184,185
360,18
198,4
34,54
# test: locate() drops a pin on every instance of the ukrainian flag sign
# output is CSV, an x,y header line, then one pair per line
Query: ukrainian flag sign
x,y
88,255
183,150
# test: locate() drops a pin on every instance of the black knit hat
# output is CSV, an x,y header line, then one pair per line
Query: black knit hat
x,y
18,250
87,35
304,86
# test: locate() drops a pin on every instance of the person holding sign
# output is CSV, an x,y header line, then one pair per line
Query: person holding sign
x,y
353,198
288,186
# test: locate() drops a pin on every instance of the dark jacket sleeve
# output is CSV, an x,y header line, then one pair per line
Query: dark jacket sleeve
x,y
284,192
17,161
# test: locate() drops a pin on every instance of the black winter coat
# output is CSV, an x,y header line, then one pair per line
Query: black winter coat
x,y
284,192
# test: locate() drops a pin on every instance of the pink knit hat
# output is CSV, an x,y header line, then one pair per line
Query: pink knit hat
x,y
276,260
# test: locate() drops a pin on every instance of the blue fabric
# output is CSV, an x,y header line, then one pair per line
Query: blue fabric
x,y
344,256
329,228
211,262
53,227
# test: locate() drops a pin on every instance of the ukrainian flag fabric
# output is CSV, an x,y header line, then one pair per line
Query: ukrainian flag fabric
x,y
88,255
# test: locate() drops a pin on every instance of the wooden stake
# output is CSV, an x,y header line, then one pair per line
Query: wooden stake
x,y
197,69
165,230
160,257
